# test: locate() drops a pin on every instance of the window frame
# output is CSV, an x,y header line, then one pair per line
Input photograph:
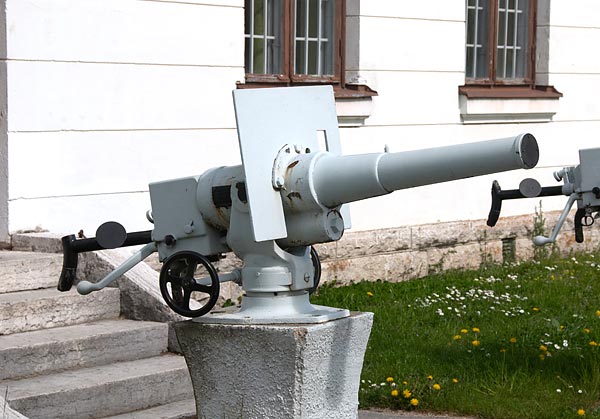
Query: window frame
x,y
288,77
492,32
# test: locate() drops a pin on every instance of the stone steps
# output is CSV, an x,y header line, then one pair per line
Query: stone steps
x,y
24,311
89,344
65,355
29,271
96,392
184,409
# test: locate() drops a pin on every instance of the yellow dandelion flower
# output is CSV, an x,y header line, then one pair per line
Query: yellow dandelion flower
x,y
437,387
414,402
475,343
430,377
581,412
502,350
535,309
389,379
457,337
394,393
543,348
405,382
464,331
369,293
455,380
593,343
406,393
597,312
476,330
586,330
561,327
513,340
542,357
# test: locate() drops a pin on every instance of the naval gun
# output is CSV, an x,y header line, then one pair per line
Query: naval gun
x,y
290,192
581,184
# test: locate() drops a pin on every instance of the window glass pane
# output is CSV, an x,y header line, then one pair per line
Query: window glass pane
x,y
315,53
247,52
512,48
313,18
258,56
522,40
301,18
327,55
478,13
300,57
259,17
264,36
313,58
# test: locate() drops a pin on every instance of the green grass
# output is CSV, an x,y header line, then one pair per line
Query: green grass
x,y
552,303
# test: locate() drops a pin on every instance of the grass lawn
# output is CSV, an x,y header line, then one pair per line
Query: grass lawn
x,y
512,341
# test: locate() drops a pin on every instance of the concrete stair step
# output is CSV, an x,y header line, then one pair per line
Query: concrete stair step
x,y
184,409
28,270
39,309
85,345
100,391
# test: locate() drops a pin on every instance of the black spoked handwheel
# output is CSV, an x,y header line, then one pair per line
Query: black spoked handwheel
x,y
314,256
179,283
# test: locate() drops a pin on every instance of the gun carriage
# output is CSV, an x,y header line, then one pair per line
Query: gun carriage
x,y
289,193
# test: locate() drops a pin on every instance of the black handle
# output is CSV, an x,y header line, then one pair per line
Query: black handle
x,y
73,246
69,268
498,195
579,215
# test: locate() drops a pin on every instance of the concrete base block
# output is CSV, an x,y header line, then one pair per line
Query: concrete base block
x,y
289,371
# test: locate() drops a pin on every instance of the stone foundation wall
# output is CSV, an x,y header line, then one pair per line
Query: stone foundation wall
x,y
408,252
399,254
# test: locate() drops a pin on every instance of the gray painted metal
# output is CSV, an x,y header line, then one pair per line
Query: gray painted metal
x,y
290,193
268,119
582,185
369,175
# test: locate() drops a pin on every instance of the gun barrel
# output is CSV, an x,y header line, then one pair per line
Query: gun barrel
x,y
371,175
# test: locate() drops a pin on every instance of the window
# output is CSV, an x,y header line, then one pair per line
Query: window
x,y
294,41
501,62
500,41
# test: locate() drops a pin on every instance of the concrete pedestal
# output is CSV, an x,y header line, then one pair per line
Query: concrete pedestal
x,y
284,371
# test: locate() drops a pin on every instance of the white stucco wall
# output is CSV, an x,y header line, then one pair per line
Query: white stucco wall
x,y
105,96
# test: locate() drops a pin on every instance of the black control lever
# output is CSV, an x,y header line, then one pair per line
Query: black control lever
x,y
528,188
580,214
109,235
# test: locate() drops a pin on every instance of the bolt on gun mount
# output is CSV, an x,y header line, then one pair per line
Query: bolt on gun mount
x,y
289,193
581,184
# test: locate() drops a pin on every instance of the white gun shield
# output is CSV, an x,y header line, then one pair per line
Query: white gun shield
x,y
268,119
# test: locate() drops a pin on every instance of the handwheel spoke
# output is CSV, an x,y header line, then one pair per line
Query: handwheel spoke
x,y
190,267
177,292
173,278
185,302
202,288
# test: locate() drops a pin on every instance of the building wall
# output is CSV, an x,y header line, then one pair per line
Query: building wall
x,y
4,234
105,96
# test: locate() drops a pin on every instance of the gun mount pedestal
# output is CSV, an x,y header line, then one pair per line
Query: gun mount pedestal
x,y
284,371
